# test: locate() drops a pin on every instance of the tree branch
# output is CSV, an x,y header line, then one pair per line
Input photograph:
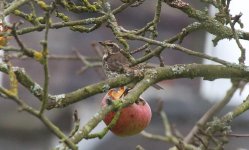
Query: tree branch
x,y
14,5
208,72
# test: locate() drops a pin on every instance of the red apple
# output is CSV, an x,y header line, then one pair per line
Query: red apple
x,y
133,118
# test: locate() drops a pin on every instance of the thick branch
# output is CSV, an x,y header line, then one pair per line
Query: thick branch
x,y
63,100
209,72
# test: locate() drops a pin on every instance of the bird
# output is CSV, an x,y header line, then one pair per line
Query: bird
x,y
115,63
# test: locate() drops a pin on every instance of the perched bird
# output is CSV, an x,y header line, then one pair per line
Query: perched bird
x,y
115,63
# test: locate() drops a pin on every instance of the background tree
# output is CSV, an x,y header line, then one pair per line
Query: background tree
x,y
50,16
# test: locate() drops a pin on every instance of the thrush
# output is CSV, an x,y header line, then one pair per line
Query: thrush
x,y
115,63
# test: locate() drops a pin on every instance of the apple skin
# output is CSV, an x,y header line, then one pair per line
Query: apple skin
x,y
132,120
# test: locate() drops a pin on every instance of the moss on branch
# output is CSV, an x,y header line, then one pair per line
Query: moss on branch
x,y
208,72
210,24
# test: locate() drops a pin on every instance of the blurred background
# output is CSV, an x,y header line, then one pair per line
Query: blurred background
x,y
183,102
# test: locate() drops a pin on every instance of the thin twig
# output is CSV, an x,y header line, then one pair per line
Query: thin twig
x,y
166,123
86,63
26,51
236,135
200,139
14,5
24,106
211,112
143,47
45,65
242,49
102,133
139,147
76,124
